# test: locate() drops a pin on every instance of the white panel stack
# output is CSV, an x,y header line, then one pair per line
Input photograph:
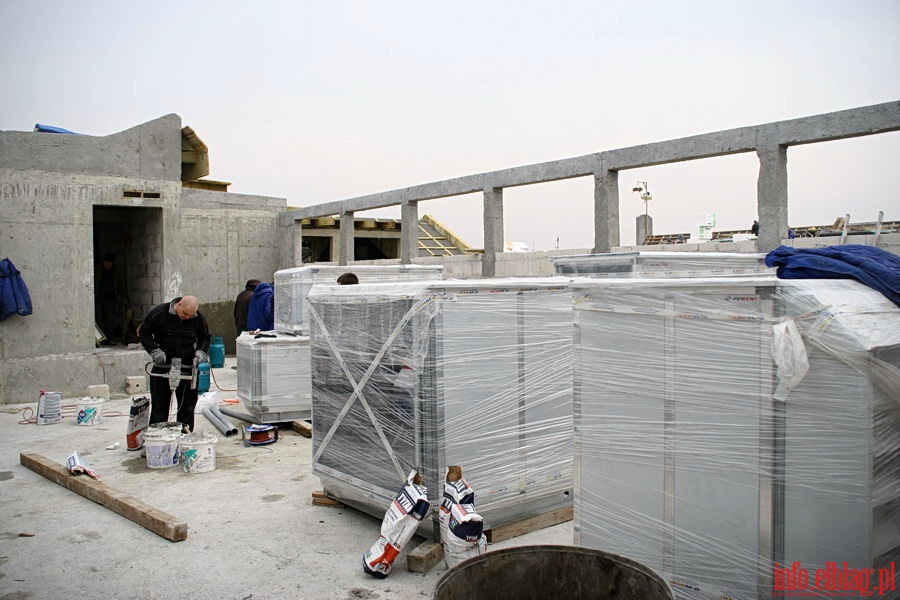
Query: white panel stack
x,y
425,375
273,376
292,286
664,265
707,449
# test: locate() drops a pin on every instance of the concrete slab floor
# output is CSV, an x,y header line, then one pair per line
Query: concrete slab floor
x,y
253,532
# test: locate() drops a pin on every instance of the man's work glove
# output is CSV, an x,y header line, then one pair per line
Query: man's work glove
x,y
158,356
201,356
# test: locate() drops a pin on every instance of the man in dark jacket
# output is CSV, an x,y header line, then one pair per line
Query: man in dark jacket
x,y
242,304
170,330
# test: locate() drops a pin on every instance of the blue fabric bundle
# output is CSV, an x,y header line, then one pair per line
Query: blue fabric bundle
x,y
14,297
874,267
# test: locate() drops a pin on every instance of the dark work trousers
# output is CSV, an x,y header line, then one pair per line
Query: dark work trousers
x,y
161,395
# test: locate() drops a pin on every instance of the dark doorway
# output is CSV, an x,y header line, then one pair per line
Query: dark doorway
x,y
127,269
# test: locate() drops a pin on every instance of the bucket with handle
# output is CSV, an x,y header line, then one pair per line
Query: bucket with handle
x,y
89,411
198,452
161,445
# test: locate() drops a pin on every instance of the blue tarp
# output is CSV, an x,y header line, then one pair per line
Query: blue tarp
x,y
51,129
14,297
874,267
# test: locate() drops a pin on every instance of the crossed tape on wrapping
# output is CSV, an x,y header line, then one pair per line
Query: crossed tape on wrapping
x,y
358,386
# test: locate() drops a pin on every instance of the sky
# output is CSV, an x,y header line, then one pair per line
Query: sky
x,y
323,101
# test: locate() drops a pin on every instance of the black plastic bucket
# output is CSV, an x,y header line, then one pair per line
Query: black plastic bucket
x,y
547,572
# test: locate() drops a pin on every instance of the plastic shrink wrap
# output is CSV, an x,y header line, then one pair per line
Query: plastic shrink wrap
x,y
663,265
429,374
741,436
273,376
292,286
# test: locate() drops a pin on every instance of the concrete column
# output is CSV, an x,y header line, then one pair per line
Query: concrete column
x,y
345,242
409,231
643,228
772,197
606,210
493,230
292,245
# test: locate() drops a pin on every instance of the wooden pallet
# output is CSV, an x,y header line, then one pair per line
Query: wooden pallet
x,y
304,428
320,498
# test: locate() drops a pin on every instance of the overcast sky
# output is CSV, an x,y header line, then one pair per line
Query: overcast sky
x,y
322,101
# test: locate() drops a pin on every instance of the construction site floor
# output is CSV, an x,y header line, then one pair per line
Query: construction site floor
x,y
253,531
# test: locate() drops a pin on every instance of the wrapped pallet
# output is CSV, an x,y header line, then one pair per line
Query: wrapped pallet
x,y
273,376
292,286
737,435
422,375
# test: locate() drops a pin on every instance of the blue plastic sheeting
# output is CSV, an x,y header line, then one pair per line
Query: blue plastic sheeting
x,y
14,297
51,129
874,267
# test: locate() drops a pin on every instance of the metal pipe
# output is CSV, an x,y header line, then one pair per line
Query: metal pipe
x,y
215,410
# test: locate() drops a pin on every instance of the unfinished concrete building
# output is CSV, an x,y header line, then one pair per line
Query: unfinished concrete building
x,y
140,194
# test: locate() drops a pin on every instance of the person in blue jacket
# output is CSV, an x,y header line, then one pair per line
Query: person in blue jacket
x,y
261,313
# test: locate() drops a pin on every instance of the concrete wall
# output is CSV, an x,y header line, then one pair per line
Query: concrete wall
x,y
178,241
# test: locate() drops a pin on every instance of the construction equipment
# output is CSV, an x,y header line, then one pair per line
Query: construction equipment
x,y
175,376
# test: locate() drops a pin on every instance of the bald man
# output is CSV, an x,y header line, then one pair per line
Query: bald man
x,y
175,329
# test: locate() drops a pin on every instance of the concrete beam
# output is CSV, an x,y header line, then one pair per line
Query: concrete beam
x,y
867,120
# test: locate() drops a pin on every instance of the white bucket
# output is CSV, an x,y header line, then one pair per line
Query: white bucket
x,y
198,452
161,446
89,410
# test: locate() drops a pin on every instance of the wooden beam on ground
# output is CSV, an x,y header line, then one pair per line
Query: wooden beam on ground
x,y
157,521
541,521
425,556
320,498
304,428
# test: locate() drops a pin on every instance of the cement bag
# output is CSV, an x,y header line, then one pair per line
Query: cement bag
x,y
462,528
138,418
400,522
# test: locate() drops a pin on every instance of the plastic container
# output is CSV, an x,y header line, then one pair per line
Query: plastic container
x,y
551,572
161,445
89,411
217,353
198,452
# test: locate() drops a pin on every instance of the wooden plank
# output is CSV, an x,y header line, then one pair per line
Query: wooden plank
x,y
320,498
541,521
425,556
145,515
304,428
